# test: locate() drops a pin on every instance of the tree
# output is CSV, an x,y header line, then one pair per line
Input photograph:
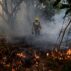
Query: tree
x,y
66,6
10,9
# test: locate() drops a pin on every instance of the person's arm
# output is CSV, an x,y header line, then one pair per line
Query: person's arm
x,y
33,28
39,25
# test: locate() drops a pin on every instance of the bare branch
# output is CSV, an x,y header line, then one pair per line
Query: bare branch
x,y
4,7
1,3
3,18
16,7
64,32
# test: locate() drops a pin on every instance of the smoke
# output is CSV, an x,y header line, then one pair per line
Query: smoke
x,y
50,29
24,20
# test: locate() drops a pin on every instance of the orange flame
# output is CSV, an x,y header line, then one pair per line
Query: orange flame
x,y
69,52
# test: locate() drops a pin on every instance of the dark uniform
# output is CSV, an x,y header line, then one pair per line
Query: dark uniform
x,y
36,27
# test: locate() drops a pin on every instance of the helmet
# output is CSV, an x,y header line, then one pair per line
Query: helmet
x,y
37,18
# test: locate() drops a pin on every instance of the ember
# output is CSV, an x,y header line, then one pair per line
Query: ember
x,y
21,55
32,59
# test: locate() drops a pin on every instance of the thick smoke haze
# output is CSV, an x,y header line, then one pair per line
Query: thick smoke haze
x,y
50,29
24,21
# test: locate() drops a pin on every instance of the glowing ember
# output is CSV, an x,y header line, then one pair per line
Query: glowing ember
x,y
13,69
7,65
47,54
21,55
36,56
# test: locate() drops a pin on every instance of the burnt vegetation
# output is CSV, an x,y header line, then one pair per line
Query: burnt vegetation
x,y
24,57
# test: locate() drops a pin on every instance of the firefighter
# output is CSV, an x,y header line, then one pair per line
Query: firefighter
x,y
36,26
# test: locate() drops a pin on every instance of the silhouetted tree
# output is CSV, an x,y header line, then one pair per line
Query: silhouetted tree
x,y
66,6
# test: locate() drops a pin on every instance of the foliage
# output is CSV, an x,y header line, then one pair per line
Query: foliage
x,y
63,6
48,10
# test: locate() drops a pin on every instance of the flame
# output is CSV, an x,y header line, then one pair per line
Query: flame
x,y
69,52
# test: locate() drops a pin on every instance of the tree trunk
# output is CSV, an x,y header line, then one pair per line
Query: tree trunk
x,y
64,33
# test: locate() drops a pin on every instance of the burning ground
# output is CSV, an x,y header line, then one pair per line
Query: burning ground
x,y
21,56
